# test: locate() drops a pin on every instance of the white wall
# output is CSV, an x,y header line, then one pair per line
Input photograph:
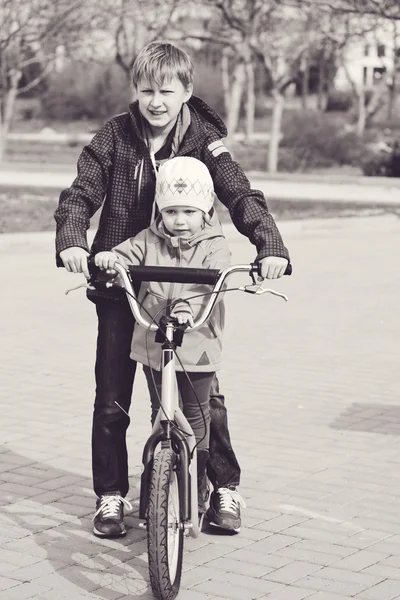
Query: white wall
x,y
360,66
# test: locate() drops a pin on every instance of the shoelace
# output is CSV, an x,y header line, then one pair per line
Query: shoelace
x,y
229,500
110,506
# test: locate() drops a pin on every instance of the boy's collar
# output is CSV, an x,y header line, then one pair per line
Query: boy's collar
x,y
178,131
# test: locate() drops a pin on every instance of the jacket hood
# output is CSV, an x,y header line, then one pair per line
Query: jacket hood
x,y
211,229
207,114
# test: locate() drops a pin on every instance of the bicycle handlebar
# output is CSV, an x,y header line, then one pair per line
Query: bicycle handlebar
x,y
179,275
174,274
183,274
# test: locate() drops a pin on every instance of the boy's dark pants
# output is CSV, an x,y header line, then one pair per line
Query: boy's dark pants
x,y
115,373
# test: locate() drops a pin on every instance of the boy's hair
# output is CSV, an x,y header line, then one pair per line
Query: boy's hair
x,y
159,61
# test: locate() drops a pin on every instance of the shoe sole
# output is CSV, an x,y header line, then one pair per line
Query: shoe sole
x,y
224,528
100,534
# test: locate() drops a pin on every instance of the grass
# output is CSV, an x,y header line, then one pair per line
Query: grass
x,y
252,156
31,210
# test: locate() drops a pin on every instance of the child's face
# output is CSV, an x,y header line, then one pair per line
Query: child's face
x,y
182,221
161,105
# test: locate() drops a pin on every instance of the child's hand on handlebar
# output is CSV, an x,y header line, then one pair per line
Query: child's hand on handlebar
x,y
273,267
106,262
183,318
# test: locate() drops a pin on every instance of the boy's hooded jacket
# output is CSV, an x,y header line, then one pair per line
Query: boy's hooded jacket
x,y
206,249
116,169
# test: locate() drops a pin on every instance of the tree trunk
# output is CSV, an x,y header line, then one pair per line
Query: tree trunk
x,y
392,94
322,84
8,109
305,79
362,112
225,78
393,86
275,133
251,100
2,139
239,75
376,100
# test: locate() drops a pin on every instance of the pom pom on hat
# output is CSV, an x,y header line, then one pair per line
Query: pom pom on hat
x,y
184,181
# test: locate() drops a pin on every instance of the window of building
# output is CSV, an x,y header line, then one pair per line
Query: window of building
x,y
381,50
378,73
366,50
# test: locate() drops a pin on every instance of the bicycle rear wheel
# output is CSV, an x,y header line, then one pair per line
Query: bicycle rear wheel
x,y
164,527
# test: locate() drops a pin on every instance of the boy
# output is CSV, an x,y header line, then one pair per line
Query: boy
x,y
186,232
117,170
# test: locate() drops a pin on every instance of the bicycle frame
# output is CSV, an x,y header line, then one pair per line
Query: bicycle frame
x,y
165,432
170,422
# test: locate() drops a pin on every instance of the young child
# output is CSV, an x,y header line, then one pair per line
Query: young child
x,y
187,233
117,171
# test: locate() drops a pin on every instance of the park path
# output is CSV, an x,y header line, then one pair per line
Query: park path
x,y
313,393
361,190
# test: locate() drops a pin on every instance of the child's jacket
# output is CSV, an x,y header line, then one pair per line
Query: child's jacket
x,y
207,249
115,171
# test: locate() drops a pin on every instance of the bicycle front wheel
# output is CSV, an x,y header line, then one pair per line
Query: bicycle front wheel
x,y
164,527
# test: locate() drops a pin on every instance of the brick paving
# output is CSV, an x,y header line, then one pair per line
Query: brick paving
x,y
313,392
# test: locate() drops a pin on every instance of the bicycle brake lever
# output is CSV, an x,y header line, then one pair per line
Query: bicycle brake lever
x,y
81,285
259,290
90,286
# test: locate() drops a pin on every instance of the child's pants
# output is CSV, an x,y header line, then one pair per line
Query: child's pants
x,y
198,416
115,372
193,394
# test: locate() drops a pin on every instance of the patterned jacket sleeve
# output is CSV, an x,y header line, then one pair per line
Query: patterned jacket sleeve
x,y
79,202
247,207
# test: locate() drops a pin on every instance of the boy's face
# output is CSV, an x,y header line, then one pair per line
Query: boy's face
x,y
182,221
161,105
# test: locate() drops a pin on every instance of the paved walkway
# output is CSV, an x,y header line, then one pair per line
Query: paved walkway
x,y
314,401
374,190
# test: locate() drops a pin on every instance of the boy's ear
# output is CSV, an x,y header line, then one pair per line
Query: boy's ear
x,y
189,92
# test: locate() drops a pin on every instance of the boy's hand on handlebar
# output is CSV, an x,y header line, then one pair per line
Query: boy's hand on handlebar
x,y
273,267
183,318
75,260
106,262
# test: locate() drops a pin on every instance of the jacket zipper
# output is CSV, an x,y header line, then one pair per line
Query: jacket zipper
x,y
177,264
138,168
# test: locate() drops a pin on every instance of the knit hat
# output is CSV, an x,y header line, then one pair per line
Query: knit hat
x,y
184,181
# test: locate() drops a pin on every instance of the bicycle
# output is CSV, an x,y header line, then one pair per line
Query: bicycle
x,y
168,505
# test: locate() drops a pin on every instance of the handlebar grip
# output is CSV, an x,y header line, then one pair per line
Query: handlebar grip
x,y
257,268
174,274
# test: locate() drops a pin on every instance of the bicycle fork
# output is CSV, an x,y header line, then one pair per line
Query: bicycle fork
x,y
166,433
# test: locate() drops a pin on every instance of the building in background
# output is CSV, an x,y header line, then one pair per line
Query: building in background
x,y
370,58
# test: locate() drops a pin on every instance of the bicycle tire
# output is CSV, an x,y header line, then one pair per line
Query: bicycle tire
x,y
165,533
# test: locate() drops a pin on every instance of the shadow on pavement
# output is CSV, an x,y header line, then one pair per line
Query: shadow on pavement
x,y
370,418
50,527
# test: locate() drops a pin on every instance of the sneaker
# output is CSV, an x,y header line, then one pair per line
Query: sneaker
x,y
109,516
224,511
